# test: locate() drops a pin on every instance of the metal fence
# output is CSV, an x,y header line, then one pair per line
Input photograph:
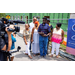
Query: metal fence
x,y
52,21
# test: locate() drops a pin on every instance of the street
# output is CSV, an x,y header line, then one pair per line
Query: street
x,y
20,56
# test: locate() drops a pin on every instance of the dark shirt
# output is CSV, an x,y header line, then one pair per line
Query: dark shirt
x,y
44,28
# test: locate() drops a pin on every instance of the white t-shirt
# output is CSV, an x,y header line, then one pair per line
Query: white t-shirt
x,y
31,26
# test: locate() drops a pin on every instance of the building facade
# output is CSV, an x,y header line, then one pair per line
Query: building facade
x,y
54,18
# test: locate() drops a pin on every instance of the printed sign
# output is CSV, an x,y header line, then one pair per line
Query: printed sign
x,y
71,37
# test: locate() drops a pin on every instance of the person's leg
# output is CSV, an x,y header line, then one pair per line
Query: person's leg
x,y
41,45
28,51
12,58
53,49
30,46
57,49
45,45
7,58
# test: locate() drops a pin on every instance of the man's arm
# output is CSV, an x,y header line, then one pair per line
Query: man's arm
x,y
9,39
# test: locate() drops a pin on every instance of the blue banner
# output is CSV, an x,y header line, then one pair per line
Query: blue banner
x,y
71,33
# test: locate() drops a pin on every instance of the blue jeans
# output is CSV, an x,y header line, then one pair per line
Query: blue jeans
x,y
43,41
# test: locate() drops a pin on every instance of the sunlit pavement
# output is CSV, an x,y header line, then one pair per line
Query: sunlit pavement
x,y
20,56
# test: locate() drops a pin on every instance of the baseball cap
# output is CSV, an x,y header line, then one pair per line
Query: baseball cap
x,y
48,19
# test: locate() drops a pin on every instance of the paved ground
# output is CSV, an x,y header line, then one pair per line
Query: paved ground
x,y
20,56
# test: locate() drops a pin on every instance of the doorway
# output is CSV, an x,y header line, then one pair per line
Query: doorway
x,y
47,17
21,18
26,19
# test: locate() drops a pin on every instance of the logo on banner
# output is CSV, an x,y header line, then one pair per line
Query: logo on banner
x,y
73,37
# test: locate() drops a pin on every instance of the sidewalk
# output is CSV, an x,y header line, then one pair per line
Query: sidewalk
x,y
20,56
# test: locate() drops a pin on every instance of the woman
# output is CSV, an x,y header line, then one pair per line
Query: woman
x,y
27,36
35,39
57,39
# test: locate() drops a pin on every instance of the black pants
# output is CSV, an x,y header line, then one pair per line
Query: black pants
x,y
3,56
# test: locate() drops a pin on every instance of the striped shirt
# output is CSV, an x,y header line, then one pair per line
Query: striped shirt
x,y
44,28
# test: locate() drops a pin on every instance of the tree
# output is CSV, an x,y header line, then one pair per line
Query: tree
x,y
2,15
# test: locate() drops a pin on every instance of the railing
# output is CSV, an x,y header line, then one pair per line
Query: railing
x,y
52,21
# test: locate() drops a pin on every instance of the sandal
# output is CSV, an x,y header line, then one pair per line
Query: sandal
x,y
30,57
34,55
51,56
26,53
57,56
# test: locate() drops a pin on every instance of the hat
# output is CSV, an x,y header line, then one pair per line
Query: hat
x,y
36,22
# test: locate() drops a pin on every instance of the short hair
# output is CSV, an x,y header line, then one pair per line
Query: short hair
x,y
59,24
45,18
27,24
34,18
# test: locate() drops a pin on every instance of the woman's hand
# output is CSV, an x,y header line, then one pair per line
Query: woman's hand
x,y
31,40
50,39
44,35
26,43
61,42
41,33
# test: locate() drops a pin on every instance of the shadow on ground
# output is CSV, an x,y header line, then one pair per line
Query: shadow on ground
x,y
23,57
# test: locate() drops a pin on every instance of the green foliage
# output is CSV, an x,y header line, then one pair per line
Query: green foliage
x,y
2,15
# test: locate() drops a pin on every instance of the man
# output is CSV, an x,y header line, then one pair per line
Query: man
x,y
5,41
44,32
31,27
3,56
51,28
48,22
32,24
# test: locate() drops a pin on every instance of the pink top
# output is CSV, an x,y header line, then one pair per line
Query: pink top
x,y
56,37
